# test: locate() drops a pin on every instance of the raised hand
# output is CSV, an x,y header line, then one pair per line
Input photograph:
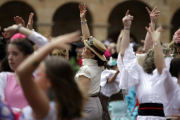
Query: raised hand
x,y
30,21
63,41
142,41
155,34
6,35
18,20
127,20
82,8
153,14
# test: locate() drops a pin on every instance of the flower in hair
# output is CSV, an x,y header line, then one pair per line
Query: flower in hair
x,y
176,36
17,36
90,42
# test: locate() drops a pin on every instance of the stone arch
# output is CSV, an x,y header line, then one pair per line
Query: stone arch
x,y
175,24
66,19
141,19
15,8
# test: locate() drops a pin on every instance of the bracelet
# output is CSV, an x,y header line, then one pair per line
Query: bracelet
x,y
155,44
126,28
83,22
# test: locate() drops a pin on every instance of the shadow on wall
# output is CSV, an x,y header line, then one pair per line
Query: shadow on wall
x,y
67,19
15,8
141,19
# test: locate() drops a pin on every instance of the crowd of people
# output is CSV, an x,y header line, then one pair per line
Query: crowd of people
x,y
59,78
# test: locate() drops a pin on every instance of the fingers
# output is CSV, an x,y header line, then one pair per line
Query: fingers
x,y
148,30
127,13
82,6
154,9
142,41
75,36
15,20
159,29
32,15
148,10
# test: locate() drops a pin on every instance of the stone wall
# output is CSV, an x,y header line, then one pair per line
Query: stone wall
x,y
104,16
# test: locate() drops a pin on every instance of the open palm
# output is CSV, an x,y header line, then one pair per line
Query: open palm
x,y
82,8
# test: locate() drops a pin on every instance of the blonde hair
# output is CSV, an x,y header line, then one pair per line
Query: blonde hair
x,y
62,53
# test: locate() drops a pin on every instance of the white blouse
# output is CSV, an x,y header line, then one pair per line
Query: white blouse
x,y
149,88
27,113
108,89
91,70
173,94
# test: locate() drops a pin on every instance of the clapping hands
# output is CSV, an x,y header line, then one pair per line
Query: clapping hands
x,y
127,20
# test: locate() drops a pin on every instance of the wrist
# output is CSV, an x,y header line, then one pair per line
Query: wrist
x,y
18,28
155,43
84,22
83,19
126,28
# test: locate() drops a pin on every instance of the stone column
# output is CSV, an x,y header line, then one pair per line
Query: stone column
x,y
43,27
166,34
100,30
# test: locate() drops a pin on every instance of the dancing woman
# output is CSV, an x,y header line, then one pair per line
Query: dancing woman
x,y
149,89
89,75
53,74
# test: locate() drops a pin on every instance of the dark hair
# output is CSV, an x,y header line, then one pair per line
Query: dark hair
x,y
5,65
175,46
67,95
100,62
135,47
24,45
175,67
148,62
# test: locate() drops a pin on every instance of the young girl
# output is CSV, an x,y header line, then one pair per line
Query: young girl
x,y
53,74
18,50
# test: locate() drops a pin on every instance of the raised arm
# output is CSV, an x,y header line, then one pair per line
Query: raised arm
x,y
127,20
119,41
158,53
153,18
84,26
113,78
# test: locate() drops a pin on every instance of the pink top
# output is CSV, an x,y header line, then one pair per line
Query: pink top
x,y
14,95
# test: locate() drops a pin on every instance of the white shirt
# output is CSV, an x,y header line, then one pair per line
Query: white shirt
x,y
149,88
108,89
91,70
27,113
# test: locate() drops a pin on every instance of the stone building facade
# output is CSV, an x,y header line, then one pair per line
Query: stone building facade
x,y
104,16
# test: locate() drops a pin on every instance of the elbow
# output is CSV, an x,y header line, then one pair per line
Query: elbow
x,y
109,81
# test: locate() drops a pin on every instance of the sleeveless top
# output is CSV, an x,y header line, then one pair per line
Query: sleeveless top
x,y
14,95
